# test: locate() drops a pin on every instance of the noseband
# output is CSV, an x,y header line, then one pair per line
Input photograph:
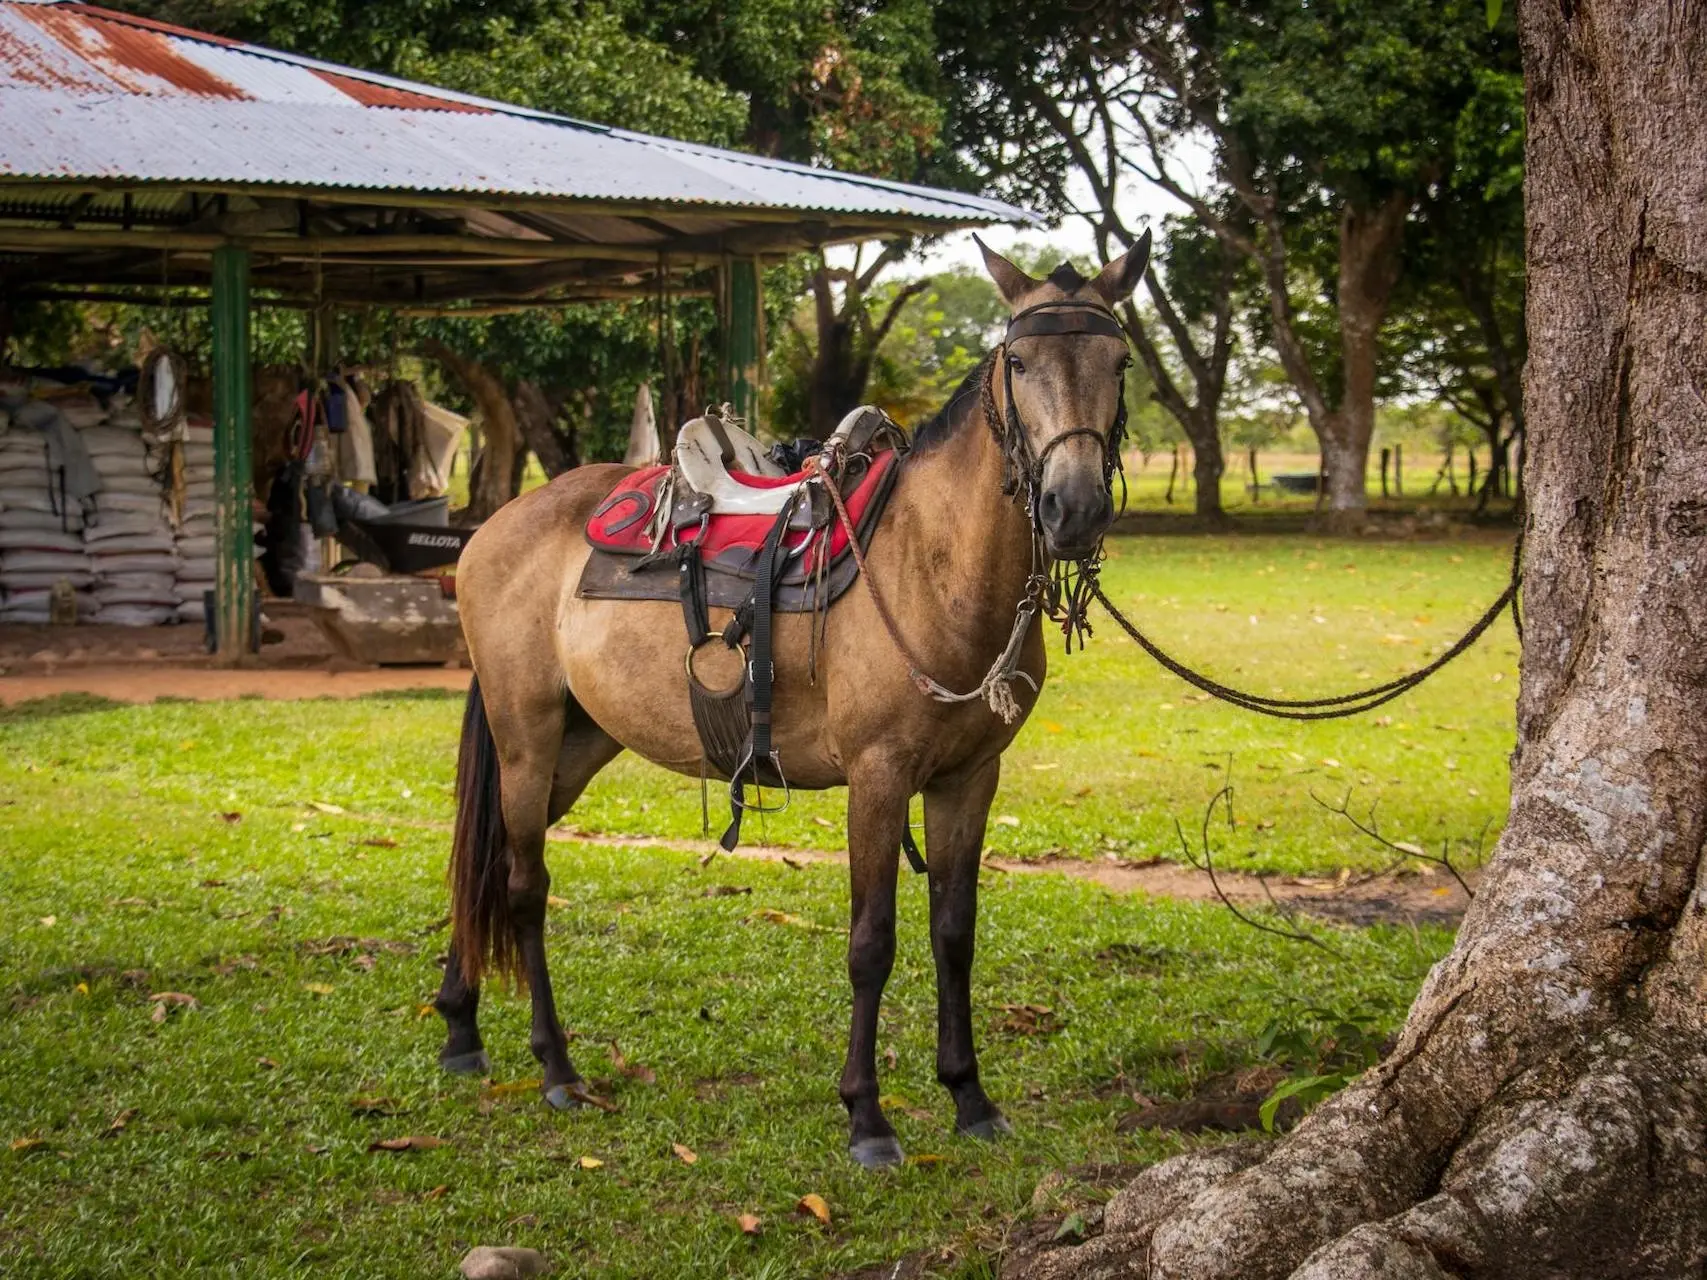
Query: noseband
x,y
1066,593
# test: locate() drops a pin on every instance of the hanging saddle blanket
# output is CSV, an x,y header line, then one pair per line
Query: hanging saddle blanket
x,y
638,530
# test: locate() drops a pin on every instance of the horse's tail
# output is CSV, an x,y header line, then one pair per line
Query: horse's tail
x,y
482,935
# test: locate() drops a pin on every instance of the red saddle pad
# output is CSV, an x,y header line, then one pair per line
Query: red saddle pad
x,y
619,525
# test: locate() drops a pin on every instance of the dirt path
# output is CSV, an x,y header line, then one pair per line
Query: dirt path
x,y
1352,900
144,682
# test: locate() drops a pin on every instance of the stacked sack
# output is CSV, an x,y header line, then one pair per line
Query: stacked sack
x,y
132,550
195,546
41,539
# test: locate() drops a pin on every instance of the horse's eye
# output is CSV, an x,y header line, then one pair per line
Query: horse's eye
x,y
1016,364
1125,364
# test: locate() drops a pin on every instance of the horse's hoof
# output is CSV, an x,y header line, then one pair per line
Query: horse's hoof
x,y
988,1129
466,1064
562,1097
876,1153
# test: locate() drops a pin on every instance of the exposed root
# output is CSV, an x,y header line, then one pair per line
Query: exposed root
x,y
1594,1164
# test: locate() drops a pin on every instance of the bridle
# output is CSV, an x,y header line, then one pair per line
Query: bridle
x,y
1063,590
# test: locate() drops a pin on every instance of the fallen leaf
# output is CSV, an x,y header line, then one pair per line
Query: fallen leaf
x,y
267,1063
512,1089
320,806
318,988
891,1058
424,1011
580,1093
30,1143
82,988
159,1014
120,1121
552,900
1029,1019
1052,726
373,1104
1330,762
748,1222
813,1204
793,864
436,1193
380,842
590,1162
685,1154
178,998
1006,820
727,890
212,884
824,822
232,816
414,1142
924,1159
782,917
47,922
634,1071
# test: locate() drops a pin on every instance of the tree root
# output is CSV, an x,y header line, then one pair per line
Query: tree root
x,y
1589,1166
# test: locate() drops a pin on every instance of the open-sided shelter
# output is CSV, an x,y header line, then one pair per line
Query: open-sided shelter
x,y
137,154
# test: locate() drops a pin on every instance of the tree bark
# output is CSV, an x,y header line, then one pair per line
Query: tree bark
x,y
1369,268
1544,1113
535,416
493,476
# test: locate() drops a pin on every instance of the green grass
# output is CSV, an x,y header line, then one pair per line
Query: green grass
x,y
1115,753
243,1156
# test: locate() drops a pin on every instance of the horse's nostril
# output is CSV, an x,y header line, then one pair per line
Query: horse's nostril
x,y
1051,508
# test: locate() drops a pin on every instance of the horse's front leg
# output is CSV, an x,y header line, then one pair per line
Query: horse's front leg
x,y
877,814
956,809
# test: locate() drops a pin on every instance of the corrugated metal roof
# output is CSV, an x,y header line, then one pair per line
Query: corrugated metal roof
x,y
86,93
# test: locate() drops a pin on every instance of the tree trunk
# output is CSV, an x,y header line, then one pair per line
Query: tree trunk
x,y
492,478
1209,466
1369,268
535,416
1545,1111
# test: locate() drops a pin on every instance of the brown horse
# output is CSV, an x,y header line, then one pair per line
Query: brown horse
x,y
563,684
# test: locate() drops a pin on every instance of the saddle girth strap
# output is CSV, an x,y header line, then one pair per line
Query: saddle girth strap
x,y
761,681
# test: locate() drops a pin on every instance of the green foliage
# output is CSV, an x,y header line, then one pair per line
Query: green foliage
x,y
1325,1047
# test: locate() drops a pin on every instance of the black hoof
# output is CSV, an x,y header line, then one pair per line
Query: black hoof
x,y
989,1129
466,1064
876,1153
562,1097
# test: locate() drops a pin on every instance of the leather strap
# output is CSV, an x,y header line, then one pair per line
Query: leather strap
x,y
1052,319
690,582
761,680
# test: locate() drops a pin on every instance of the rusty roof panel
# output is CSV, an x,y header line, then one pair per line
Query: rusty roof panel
x,y
86,93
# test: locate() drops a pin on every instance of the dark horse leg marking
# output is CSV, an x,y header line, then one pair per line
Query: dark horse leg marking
x,y
499,867
955,813
877,812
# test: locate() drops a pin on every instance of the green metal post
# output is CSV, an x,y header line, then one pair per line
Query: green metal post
x,y
234,584
743,340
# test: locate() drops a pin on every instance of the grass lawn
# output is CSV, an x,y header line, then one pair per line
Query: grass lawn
x,y
169,850
1116,752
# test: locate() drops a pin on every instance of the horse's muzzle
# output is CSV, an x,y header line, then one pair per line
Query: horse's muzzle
x,y
1074,515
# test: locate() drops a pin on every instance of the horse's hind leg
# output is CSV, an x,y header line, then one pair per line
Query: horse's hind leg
x,y
956,810
581,752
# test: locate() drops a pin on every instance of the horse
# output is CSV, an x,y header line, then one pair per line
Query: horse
x,y
1017,466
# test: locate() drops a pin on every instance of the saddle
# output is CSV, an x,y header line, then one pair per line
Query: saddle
x,y
721,496
726,525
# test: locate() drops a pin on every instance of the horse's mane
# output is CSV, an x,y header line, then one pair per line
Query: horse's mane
x,y
942,424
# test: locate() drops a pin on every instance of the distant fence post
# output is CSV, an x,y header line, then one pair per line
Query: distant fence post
x,y
1256,484
1386,458
1399,470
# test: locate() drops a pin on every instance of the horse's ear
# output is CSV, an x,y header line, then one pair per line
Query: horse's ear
x,y
1010,280
1120,277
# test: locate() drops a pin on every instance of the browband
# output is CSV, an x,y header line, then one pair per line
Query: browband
x,y
1050,319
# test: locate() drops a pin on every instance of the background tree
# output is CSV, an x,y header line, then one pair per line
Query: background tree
x,y
1542,1113
1328,123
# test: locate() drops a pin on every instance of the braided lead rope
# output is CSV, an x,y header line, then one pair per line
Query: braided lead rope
x,y
1349,704
997,686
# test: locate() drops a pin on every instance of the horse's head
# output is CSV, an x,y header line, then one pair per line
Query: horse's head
x,y
1061,366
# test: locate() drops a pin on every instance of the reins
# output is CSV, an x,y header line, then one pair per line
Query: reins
x,y
1065,596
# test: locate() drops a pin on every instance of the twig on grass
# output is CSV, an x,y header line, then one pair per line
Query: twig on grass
x,y
1403,850
1292,934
